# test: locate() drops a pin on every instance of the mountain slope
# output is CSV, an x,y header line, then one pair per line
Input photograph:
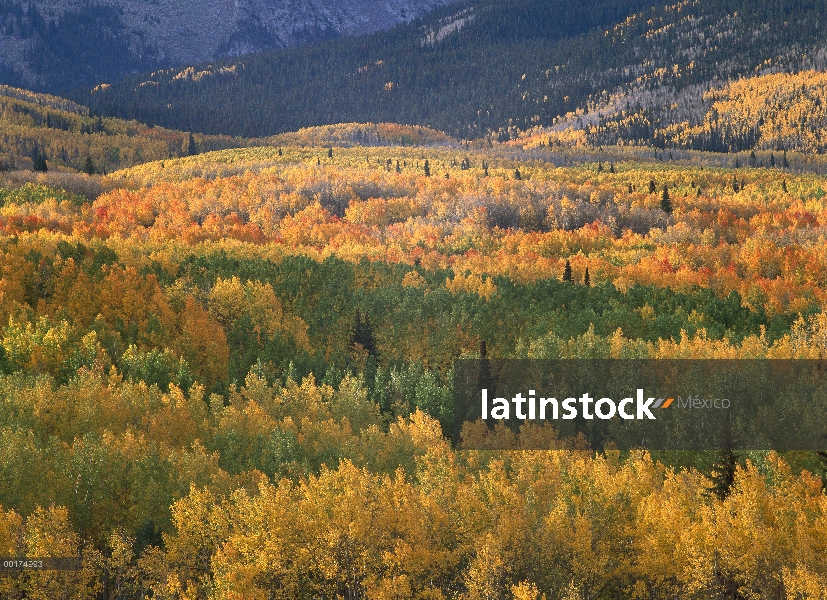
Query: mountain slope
x,y
61,44
773,111
485,68
68,138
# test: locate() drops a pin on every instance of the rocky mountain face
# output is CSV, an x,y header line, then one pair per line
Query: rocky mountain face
x,y
55,45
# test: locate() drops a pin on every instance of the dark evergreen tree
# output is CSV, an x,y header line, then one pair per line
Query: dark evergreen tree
x,y
600,167
772,159
586,279
784,186
611,167
631,189
363,335
517,175
822,463
88,166
191,149
330,152
665,201
484,168
722,471
485,378
147,535
280,152
784,162
567,272
40,165
652,187
752,159
427,168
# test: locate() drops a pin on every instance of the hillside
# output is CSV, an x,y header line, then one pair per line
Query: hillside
x,y
455,71
487,69
258,343
57,45
361,134
67,137
777,111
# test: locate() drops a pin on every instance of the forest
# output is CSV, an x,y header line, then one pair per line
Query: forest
x,y
490,70
65,135
228,374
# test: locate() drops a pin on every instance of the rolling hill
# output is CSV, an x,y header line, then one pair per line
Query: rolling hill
x,y
69,138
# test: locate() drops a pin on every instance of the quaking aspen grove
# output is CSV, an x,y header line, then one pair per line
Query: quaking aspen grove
x,y
228,375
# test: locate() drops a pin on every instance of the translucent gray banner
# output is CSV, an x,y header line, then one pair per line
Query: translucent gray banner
x,y
655,404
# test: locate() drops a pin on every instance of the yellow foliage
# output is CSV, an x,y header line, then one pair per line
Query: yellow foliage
x,y
473,284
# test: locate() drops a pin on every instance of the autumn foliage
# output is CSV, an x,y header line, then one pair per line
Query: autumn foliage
x,y
187,405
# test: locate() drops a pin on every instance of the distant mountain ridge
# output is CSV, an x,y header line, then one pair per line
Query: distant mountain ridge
x,y
54,45
621,70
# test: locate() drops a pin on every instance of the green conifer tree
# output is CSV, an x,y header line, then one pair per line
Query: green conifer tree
x,y
665,201
40,165
363,334
567,272
722,471
191,149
